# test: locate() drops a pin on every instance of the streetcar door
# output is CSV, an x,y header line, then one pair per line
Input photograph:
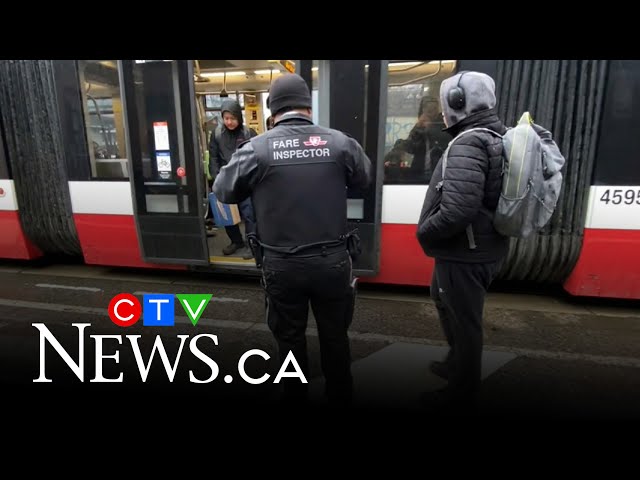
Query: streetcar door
x,y
357,102
165,160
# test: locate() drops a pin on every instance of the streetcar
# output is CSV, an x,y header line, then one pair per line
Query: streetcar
x,y
107,160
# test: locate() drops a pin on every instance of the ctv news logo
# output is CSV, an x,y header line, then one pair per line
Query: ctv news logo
x,y
125,310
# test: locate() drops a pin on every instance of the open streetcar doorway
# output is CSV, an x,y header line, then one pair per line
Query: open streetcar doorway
x,y
173,109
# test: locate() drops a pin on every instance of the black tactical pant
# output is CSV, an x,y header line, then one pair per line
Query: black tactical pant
x,y
459,290
291,283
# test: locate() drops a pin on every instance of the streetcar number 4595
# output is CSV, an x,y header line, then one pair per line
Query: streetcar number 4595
x,y
618,196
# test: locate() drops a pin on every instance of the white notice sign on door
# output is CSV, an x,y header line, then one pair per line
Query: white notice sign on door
x,y
161,135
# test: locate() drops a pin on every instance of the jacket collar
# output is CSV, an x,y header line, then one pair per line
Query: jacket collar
x,y
485,118
294,118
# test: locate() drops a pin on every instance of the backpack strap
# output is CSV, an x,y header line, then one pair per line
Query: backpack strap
x,y
469,229
446,152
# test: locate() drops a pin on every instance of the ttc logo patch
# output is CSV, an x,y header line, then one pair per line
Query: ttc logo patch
x,y
314,141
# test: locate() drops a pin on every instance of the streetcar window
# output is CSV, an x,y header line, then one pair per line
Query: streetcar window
x,y
617,154
414,140
104,118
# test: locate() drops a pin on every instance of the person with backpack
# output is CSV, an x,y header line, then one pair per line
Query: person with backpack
x,y
223,143
456,229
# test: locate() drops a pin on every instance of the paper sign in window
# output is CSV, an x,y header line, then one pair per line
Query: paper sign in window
x,y
161,135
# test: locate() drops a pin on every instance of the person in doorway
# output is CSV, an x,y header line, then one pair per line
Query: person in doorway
x,y
223,143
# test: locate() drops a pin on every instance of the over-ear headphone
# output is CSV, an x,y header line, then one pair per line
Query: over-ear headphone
x,y
455,96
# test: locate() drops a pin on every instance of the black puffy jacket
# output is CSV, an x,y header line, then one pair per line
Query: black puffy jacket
x,y
469,196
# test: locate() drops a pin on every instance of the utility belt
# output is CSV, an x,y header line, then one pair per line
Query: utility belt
x,y
323,250
349,242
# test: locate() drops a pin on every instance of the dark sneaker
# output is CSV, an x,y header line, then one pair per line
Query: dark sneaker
x,y
232,248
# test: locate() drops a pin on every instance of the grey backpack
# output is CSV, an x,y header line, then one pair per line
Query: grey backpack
x,y
531,179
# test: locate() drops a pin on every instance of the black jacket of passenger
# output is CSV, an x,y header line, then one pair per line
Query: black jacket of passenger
x,y
220,150
297,175
469,195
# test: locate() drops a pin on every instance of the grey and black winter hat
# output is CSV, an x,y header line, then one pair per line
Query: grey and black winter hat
x,y
289,90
